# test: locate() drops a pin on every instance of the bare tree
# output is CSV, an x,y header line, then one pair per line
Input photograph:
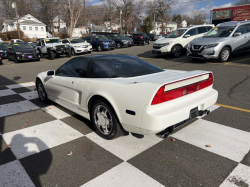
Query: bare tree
x,y
242,2
199,17
109,9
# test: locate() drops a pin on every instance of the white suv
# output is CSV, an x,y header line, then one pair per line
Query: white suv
x,y
78,45
178,40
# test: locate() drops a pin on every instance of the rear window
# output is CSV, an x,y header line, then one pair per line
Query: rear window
x,y
114,67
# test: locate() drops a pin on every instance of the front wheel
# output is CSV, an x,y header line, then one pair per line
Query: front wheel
x,y
68,54
148,42
224,54
105,121
51,55
99,48
73,52
15,59
118,45
41,91
176,51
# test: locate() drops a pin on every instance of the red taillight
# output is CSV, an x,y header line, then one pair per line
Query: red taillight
x,y
162,96
141,36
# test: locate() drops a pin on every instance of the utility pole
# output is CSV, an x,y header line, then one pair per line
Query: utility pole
x,y
120,21
85,20
154,21
14,5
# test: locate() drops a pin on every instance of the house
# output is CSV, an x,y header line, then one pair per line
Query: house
x,y
78,32
137,23
62,25
31,27
114,26
182,24
167,27
99,28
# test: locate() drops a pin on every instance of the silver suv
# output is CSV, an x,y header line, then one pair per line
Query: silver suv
x,y
220,42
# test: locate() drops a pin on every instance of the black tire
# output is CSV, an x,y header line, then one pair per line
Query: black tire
x,y
51,55
15,59
73,52
224,54
41,55
115,129
99,48
38,59
68,54
58,55
176,51
41,91
9,59
148,42
118,45
144,42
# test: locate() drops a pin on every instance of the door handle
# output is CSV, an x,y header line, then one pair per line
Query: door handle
x,y
72,82
246,36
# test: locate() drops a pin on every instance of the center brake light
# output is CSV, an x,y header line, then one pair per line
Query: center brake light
x,y
162,96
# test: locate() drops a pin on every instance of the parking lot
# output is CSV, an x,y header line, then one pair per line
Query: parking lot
x,y
47,145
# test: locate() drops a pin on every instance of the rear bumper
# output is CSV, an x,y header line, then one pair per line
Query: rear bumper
x,y
158,118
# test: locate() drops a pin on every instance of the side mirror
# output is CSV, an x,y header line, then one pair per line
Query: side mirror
x,y
51,72
187,35
237,34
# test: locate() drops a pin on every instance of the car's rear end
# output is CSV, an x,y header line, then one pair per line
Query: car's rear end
x,y
138,38
177,100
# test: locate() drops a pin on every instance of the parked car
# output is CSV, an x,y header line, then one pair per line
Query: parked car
x,y
152,37
100,42
53,47
131,42
1,61
119,92
141,38
78,45
120,41
176,42
16,41
222,41
3,49
22,51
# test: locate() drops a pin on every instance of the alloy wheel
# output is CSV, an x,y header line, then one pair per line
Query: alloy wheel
x,y
225,55
103,120
176,51
41,91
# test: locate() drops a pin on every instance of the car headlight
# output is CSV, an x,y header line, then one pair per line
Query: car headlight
x,y
19,53
211,45
76,46
125,41
105,42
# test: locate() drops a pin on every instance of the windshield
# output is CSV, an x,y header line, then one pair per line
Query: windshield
x,y
22,46
217,32
114,67
49,41
119,37
101,38
176,33
77,40
33,44
3,46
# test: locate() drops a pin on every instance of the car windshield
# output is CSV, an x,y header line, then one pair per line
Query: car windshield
x,y
76,40
218,32
33,44
119,36
101,38
177,33
49,41
115,67
22,46
3,46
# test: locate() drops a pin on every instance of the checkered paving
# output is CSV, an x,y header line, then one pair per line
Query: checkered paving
x,y
48,145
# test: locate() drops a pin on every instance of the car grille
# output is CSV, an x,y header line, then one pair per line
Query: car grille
x,y
60,48
197,47
157,46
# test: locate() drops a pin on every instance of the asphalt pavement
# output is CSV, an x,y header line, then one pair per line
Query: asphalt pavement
x,y
47,145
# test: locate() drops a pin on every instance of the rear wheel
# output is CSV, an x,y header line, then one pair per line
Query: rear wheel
x,y
176,51
68,54
41,91
224,54
73,52
148,42
9,59
15,59
38,59
143,43
105,121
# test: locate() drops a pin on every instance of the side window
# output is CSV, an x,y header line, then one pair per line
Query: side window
x,y
38,43
76,67
247,28
192,32
202,30
241,29
42,42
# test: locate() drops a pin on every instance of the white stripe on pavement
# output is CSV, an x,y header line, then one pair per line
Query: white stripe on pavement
x,y
37,138
240,176
15,108
123,175
6,92
225,141
27,84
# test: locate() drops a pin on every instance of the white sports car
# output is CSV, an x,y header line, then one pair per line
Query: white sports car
x,y
121,93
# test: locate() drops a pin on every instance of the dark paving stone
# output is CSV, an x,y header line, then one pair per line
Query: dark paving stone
x,y
54,167
11,99
24,120
79,123
6,154
230,117
24,89
3,88
181,164
246,159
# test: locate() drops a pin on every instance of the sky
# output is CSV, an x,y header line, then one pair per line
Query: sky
x,y
185,7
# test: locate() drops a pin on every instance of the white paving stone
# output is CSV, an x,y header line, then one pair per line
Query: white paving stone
x,y
15,108
6,92
27,84
56,112
13,174
37,138
30,95
225,141
239,177
123,175
125,147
